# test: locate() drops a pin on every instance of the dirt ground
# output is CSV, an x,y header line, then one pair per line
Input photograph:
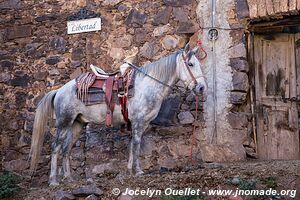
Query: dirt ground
x,y
206,176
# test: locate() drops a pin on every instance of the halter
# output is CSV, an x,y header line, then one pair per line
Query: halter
x,y
185,60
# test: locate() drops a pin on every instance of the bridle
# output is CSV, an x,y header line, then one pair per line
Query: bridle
x,y
185,60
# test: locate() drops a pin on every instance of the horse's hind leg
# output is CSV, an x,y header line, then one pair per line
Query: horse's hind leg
x,y
134,163
56,148
72,136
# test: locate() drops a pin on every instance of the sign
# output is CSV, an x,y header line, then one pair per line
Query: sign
x,y
85,25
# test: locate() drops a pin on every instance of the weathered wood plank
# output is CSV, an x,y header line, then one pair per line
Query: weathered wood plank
x,y
297,50
270,7
292,5
261,8
284,5
252,8
276,119
276,4
298,4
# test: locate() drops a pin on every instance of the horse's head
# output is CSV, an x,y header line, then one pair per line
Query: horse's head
x,y
190,71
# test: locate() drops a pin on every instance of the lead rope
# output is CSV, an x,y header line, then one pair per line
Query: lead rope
x,y
194,130
199,43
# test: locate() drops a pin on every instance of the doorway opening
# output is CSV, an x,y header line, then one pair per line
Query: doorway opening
x,y
274,56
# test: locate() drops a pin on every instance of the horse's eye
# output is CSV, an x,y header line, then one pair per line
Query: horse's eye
x,y
190,64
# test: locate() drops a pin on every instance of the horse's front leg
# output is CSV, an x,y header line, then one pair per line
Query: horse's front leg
x,y
134,163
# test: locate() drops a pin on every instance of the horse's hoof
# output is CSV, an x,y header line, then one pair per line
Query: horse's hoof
x,y
139,173
68,179
53,184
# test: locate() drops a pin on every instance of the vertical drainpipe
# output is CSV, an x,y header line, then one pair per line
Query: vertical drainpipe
x,y
213,34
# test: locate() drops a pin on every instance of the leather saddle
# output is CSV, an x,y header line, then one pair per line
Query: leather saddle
x,y
108,88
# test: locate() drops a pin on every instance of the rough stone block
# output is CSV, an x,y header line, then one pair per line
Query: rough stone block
x,y
52,60
86,191
63,195
19,32
167,113
111,2
116,53
238,120
58,43
163,16
148,50
91,197
237,36
140,35
135,17
222,153
169,42
242,9
177,3
22,81
75,73
238,97
7,65
158,31
186,117
239,64
77,54
5,77
18,165
180,14
186,27
40,75
47,17
10,4
240,81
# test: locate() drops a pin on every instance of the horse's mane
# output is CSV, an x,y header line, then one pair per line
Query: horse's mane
x,y
162,68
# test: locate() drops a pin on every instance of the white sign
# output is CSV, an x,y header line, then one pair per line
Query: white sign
x,y
85,25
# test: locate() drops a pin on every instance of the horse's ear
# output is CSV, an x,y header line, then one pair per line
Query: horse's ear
x,y
187,48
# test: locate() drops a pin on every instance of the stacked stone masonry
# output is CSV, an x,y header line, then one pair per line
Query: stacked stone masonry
x,y
37,55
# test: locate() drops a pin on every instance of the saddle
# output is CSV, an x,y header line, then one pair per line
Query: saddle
x,y
111,89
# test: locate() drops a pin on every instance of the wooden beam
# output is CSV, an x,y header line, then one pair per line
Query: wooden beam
x,y
261,8
298,4
284,5
270,7
253,8
276,4
292,5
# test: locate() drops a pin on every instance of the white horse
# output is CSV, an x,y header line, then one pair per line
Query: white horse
x,y
152,84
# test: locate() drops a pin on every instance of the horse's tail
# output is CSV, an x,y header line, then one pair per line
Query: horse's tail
x,y
43,112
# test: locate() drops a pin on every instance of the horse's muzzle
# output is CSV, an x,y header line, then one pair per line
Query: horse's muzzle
x,y
199,88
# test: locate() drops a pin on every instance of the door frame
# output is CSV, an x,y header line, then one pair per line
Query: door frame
x,y
252,81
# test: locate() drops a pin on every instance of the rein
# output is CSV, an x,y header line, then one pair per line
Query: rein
x,y
155,79
196,115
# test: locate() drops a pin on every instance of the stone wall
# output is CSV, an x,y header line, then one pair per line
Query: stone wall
x,y
37,56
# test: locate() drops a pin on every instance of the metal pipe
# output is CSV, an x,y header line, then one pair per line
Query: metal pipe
x,y
215,110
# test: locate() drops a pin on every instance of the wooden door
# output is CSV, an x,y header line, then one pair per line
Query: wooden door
x,y
276,92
